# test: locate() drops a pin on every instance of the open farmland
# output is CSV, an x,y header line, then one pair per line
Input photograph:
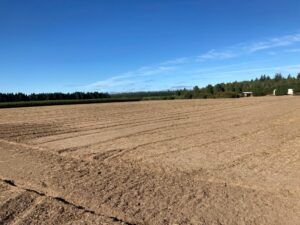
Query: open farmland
x,y
226,161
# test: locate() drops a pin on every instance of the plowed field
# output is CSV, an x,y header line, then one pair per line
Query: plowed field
x,y
227,161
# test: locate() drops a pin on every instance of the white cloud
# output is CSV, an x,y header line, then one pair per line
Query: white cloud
x,y
137,79
274,42
177,61
284,68
293,50
213,54
128,79
265,70
250,48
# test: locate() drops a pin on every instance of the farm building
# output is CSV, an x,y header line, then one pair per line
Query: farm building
x,y
247,93
290,92
283,91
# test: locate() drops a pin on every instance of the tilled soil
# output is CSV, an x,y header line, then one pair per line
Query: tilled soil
x,y
227,161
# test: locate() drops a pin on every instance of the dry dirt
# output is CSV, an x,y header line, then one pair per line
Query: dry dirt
x,y
227,161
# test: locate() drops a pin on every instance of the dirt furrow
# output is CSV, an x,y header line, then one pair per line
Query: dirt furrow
x,y
200,162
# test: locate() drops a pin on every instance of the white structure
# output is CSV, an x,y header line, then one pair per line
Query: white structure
x,y
290,92
274,92
248,93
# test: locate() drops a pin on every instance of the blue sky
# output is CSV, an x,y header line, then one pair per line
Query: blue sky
x,y
133,45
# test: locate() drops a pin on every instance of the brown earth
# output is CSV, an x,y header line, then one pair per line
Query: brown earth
x,y
227,161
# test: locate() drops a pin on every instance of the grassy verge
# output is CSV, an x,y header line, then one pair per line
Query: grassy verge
x,y
64,102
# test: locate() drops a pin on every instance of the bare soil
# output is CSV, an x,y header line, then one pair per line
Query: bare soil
x,y
226,161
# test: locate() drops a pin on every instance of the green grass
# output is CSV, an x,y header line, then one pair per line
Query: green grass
x,y
64,102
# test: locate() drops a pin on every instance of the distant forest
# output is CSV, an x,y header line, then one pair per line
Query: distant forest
x,y
20,97
261,86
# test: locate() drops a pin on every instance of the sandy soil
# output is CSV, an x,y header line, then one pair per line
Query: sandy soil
x,y
227,161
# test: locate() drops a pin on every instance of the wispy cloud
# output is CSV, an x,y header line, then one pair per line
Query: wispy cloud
x,y
213,54
127,79
273,43
282,69
250,48
177,61
186,70
293,50
218,73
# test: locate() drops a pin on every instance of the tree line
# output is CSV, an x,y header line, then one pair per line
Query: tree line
x,y
264,85
21,97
